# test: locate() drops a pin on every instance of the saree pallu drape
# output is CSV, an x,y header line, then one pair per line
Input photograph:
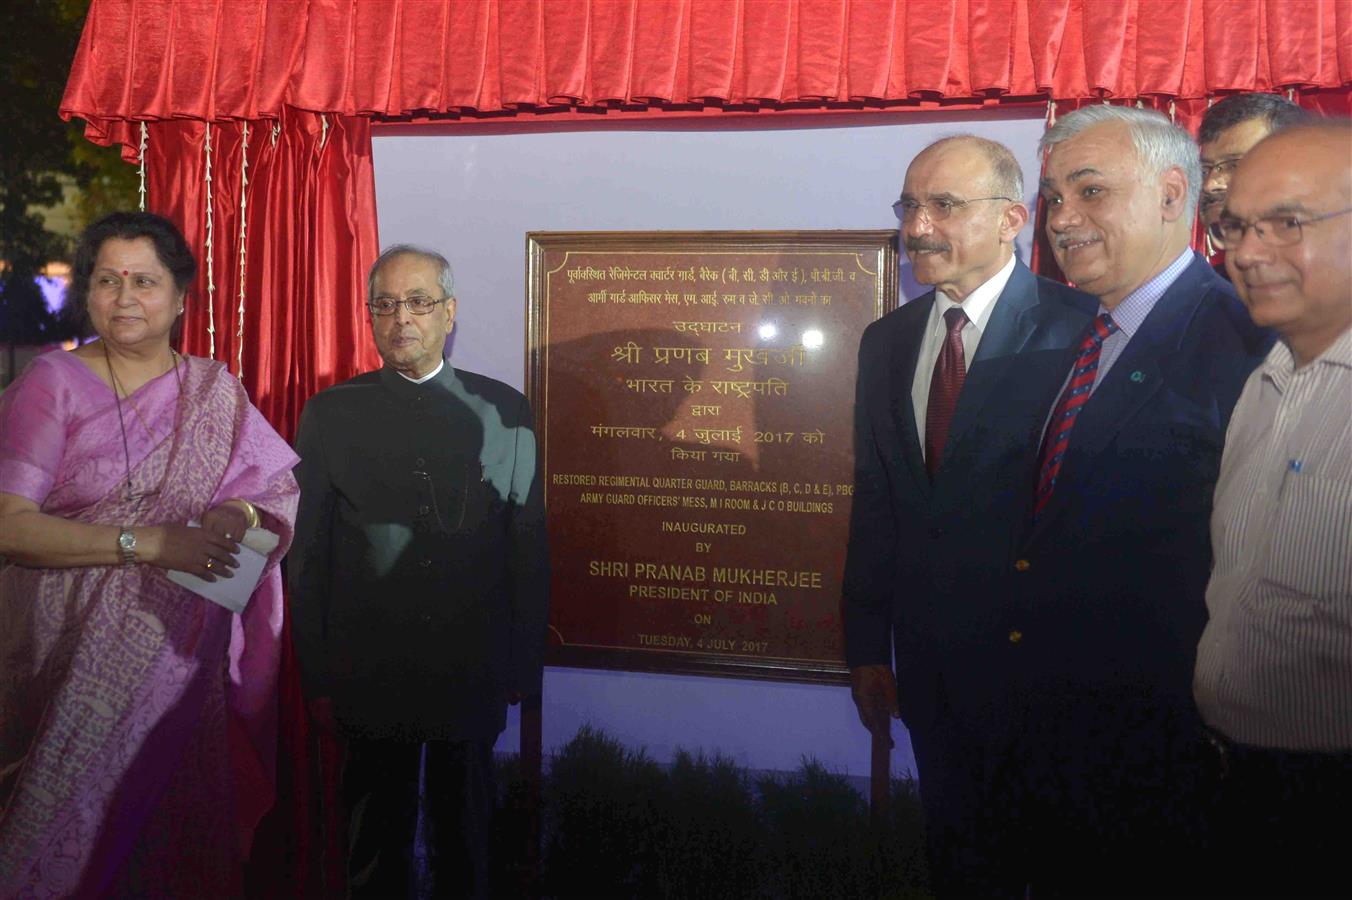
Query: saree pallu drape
x,y
137,720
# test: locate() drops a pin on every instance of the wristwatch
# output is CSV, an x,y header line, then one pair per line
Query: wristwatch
x,y
126,545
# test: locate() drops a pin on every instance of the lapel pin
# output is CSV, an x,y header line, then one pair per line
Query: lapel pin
x,y
1138,376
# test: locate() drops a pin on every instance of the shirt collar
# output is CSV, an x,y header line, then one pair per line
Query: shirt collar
x,y
979,302
1280,365
428,377
1131,312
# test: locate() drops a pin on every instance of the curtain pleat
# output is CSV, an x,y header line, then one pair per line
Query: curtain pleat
x,y
611,49
991,36
1109,41
1161,47
822,48
767,47
929,40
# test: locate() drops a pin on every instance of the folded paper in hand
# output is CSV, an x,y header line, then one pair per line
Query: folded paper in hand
x,y
234,593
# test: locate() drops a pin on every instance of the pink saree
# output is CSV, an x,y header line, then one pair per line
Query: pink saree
x,y
137,720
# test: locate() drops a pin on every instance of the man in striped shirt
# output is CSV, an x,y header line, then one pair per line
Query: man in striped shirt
x,y
1274,665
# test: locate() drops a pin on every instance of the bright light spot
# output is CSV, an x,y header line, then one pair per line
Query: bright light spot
x,y
768,331
812,339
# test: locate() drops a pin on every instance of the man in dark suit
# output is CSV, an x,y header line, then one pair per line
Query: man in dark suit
x,y
951,395
419,584
1106,600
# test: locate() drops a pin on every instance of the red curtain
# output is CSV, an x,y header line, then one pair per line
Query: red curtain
x,y
248,59
297,196
307,219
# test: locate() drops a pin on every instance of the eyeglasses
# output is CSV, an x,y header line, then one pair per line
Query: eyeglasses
x,y
1274,231
419,306
935,210
1220,167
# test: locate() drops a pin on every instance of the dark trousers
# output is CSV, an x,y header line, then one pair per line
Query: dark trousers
x,y
970,826
1283,821
1109,797
419,818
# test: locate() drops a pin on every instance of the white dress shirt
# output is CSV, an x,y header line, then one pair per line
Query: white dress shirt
x,y
1274,665
978,306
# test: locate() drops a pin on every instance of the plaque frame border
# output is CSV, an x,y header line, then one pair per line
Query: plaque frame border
x,y
883,243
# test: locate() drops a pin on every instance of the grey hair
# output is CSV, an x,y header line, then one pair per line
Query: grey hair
x,y
1006,175
1160,144
445,277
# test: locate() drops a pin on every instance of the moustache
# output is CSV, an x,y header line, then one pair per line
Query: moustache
x,y
1211,198
918,245
1067,240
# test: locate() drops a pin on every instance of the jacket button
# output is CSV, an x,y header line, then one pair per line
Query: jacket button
x,y
420,462
936,533
1015,637
424,562
1022,565
424,510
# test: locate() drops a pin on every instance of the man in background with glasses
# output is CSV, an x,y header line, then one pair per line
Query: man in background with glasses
x,y
952,388
1274,666
419,580
1230,129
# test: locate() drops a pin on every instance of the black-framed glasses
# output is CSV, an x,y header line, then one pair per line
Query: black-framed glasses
x,y
419,306
1220,167
1274,231
936,210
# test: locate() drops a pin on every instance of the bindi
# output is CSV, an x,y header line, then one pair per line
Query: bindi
x,y
125,273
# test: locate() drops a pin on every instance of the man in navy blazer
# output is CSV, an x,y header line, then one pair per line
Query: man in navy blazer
x,y
1105,605
951,395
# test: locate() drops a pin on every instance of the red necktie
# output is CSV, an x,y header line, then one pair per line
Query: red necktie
x,y
949,371
1073,399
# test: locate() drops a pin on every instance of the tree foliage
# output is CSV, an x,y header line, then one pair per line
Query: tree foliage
x,y
40,155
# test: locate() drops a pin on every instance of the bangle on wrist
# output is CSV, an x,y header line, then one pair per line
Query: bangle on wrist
x,y
250,511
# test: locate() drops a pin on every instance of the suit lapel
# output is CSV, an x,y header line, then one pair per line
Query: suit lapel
x,y
1135,378
906,351
1007,331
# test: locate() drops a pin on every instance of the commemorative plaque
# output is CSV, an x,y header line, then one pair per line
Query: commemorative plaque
x,y
694,392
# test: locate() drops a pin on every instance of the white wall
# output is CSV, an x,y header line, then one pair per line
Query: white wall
x,y
474,195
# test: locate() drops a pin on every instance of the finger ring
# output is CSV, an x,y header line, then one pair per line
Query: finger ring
x,y
209,563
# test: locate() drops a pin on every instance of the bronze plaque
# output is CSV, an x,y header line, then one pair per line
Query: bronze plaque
x,y
695,394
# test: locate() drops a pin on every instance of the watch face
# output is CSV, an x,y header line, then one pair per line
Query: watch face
x,y
126,542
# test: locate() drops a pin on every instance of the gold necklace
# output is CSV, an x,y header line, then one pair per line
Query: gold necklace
x,y
122,425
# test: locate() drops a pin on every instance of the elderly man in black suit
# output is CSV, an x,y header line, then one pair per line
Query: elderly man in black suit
x,y
419,581
951,395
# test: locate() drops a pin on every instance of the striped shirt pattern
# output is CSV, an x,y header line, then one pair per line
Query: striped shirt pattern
x,y
1132,311
1274,665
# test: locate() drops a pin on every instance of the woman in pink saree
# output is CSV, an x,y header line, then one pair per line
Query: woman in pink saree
x,y
137,719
